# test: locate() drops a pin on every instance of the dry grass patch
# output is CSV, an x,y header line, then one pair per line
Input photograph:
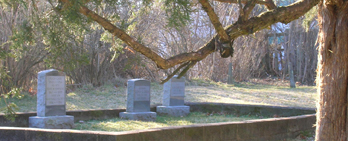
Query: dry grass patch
x,y
252,93
117,124
111,97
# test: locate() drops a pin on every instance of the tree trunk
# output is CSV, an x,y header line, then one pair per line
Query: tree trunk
x,y
291,75
332,75
299,51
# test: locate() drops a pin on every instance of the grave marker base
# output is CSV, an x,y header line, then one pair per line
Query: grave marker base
x,y
176,111
142,116
52,122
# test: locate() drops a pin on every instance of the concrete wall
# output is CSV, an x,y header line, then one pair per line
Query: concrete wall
x,y
252,130
22,119
274,129
266,111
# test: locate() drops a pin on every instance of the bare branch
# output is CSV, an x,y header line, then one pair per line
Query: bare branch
x,y
183,72
241,11
161,63
214,19
268,3
281,14
174,72
249,6
264,20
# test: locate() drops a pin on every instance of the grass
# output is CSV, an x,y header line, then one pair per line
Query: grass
x,y
197,90
260,92
117,124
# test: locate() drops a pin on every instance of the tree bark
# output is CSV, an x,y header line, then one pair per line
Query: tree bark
x,y
332,75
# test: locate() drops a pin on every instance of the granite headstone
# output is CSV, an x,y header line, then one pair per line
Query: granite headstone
x,y
173,98
138,101
51,108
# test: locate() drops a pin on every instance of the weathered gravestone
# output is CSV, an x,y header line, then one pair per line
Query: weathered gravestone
x,y
51,108
173,98
138,101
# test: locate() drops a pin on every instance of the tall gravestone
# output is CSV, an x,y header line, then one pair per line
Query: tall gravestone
x,y
173,98
51,108
138,101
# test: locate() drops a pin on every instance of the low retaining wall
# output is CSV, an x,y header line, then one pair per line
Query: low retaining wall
x,y
274,129
240,109
22,119
251,130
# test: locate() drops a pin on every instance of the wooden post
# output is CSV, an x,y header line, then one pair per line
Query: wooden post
x,y
291,75
230,78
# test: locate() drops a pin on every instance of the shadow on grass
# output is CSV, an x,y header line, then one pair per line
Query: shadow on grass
x,y
117,124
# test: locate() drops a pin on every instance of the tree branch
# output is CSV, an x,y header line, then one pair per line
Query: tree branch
x,y
174,72
190,65
281,14
268,3
161,63
249,6
214,19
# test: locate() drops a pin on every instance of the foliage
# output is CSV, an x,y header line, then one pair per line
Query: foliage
x,y
178,12
10,107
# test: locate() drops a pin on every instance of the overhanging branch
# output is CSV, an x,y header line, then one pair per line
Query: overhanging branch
x,y
268,3
281,14
214,19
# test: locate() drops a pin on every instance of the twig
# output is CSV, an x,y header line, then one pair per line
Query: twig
x,y
183,72
174,72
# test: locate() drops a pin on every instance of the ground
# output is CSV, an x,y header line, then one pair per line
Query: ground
x,y
259,92
256,91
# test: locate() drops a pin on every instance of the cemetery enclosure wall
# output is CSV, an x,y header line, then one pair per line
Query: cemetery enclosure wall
x,y
263,129
253,130
21,119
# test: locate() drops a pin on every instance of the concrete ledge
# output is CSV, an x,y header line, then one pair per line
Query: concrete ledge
x,y
143,116
52,122
242,109
176,111
22,119
273,129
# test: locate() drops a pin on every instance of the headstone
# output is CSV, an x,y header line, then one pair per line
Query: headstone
x,y
138,101
51,107
173,98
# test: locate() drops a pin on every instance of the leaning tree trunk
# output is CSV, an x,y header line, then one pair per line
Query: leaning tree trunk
x,y
332,75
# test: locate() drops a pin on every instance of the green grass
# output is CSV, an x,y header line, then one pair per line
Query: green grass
x,y
197,90
26,104
117,124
